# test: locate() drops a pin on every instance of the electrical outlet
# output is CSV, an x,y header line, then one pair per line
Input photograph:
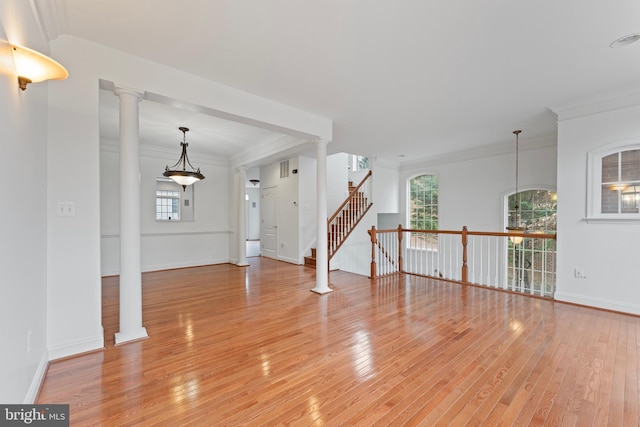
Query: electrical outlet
x,y
578,273
66,209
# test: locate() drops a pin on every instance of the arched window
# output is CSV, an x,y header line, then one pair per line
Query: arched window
x,y
538,209
531,263
423,205
614,183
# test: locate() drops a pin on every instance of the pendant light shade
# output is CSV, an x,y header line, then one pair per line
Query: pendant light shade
x,y
515,226
179,172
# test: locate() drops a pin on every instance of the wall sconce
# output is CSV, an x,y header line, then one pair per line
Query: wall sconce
x,y
34,67
254,181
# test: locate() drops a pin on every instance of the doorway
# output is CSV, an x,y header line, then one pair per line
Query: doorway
x,y
269,232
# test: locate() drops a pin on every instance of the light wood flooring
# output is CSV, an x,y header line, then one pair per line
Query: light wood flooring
x,y
252,346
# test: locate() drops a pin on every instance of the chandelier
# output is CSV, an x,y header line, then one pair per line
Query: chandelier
x,y
515,225
179,172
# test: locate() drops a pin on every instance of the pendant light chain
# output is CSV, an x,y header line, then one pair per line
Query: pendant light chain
x,y
517,205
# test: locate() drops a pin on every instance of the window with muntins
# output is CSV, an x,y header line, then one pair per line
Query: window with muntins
x,y
614,183
423,208
167,205
173,203
531,264
620,182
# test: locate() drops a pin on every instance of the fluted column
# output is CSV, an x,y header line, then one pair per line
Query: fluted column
x,y
130,271
322,244
242,217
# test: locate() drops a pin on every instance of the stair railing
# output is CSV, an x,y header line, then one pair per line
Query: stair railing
x,y
520,262
348,215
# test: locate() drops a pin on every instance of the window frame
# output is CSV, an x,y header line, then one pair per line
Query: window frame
x,y
186,210
594,183
173,197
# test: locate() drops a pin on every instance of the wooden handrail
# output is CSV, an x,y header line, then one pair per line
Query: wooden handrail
x,y
475,233
348,199
464,233
344,238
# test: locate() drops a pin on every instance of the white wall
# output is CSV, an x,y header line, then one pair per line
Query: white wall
x,y
337,181
472,192
23,221
307,204
73,279
355,254
253,213
166,244
607,252
287,208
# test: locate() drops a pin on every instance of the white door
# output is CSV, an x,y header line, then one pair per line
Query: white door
x,y
269,237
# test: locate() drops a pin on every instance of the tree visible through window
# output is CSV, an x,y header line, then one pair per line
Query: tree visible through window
x,y
359,163
423,208
531,264
537,209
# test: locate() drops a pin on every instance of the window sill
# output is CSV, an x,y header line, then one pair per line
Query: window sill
x,y
623,220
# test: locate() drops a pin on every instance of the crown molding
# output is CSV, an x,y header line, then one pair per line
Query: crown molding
x,y
112,146
269,148
480,152
51,17
597,105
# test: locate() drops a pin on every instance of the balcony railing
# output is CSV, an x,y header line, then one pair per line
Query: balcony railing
x,y
496,260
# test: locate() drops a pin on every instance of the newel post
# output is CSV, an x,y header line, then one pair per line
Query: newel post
x,y
372,233
464,254
400,268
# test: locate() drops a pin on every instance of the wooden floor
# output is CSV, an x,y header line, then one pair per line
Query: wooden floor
x,y
232,346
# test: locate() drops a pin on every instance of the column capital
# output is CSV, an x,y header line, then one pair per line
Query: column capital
x,y
123,90
320,141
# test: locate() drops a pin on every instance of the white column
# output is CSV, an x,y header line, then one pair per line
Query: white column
x,y
242,217
130,271
322,244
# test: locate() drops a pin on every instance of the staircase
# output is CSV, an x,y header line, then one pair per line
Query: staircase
x,y
310,261
344,220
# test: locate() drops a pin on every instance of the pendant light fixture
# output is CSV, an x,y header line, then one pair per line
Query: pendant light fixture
x,y
179,172
515,225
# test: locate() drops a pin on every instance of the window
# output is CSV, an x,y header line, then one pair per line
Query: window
x,y
173,203
360,163
620,182
423,208
167,205
614,183
538,209
531,264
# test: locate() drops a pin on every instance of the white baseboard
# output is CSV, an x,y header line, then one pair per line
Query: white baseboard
x,y
76,347
170,266
38,378
289,260
598,303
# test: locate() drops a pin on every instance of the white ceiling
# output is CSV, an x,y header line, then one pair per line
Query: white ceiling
x,y
208,134
419,78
